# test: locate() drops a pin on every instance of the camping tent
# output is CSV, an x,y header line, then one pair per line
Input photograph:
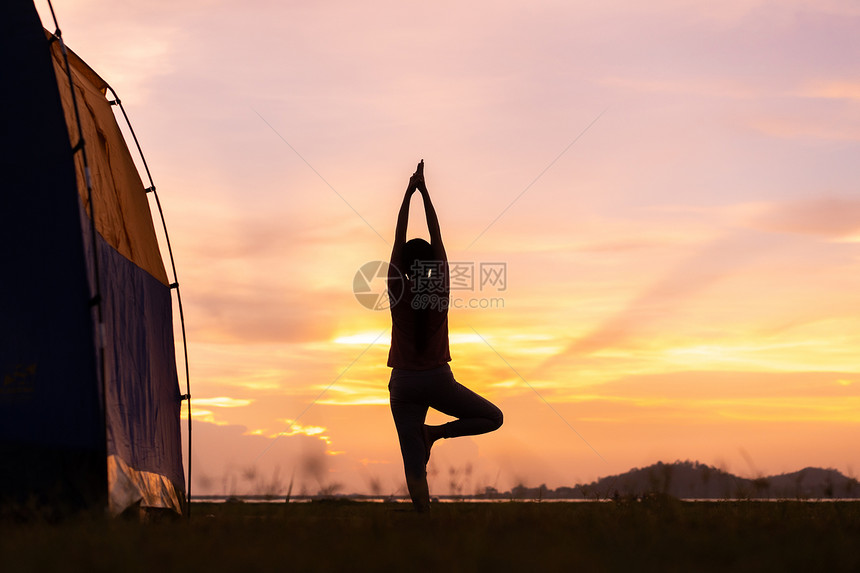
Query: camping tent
x,y
89,393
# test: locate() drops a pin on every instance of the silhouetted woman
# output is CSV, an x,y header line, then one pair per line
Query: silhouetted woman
x,y
419,291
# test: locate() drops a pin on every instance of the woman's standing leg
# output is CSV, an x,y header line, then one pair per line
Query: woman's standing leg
x,y
409,419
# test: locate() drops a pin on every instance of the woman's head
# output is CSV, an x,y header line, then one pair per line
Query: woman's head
x,y
417,254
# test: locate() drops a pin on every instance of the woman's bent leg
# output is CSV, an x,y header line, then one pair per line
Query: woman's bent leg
x,y
476,415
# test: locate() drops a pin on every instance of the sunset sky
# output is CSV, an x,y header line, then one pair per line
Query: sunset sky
x,y
673,191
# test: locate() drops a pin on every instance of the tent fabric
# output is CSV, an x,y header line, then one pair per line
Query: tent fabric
x,y
130,487
52,436
122,209
64,433
143,400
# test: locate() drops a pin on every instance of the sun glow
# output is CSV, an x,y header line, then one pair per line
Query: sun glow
x,y
223,402
365,339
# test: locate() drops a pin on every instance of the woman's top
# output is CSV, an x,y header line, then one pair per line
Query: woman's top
x,y
419,316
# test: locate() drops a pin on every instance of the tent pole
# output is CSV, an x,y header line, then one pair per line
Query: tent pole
x,y
174,285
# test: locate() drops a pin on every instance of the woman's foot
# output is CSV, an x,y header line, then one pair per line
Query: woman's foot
x,y
431,434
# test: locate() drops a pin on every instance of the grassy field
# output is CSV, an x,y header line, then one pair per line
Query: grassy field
x,y
650,535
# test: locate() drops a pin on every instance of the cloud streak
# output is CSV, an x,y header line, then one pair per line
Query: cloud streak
x,y
708,265
829,217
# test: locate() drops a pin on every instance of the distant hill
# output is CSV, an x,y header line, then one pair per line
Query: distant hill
x,y
693,480
814,483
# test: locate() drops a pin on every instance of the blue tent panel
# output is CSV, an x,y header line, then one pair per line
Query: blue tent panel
x,y
143,393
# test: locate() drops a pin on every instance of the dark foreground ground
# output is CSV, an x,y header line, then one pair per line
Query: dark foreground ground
x,y
651,535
